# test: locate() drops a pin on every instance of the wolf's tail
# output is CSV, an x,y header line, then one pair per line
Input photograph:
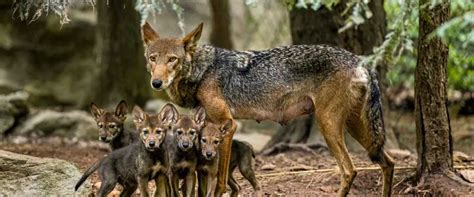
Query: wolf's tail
x,y
375,119
87,173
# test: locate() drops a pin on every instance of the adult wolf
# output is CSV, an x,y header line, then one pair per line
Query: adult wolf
x,y
279,84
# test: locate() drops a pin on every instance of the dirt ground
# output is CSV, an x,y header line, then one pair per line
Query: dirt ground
x,y
290,173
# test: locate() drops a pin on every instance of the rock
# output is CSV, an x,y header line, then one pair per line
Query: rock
x,y
12,107
460,156
23,175
268,166
63,124
155,106
467,174
399,153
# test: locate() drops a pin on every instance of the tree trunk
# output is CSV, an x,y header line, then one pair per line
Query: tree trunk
x,y
220,34
122,73
435,174
360,40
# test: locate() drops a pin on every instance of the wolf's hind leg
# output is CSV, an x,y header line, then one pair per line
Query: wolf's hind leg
x,y
332,130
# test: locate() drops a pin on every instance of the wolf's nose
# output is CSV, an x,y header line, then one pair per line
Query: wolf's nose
x,y
208,154
103,138
156,83
185,144
151,143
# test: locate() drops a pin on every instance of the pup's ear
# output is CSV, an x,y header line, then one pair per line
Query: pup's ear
x,y
190,40
96,111
226,127
148,34
200,117
138,114
169,114
121,110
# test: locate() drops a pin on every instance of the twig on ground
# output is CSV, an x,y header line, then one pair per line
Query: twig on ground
x,y
370,168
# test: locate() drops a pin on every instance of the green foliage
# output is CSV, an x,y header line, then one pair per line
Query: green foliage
x,y
398,50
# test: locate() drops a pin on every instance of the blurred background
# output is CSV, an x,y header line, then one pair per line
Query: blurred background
x,y
53,67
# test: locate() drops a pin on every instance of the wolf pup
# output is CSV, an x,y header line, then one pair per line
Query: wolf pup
x,y
182,152
134,165
210,138
243,157
111,128
279,84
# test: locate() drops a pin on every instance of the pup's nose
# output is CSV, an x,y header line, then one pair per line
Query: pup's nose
x,y
185,144
103,138
156,83
151,143
208,153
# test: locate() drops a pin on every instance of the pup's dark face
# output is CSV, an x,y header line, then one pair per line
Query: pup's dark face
x,y
211,138
186,129
165,57
110,123
153,128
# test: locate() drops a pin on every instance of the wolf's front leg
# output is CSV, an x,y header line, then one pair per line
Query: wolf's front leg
x,y
190,184
143,186
211,185
224,160
162,186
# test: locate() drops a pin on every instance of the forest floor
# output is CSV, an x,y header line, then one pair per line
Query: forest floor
x,y
293,173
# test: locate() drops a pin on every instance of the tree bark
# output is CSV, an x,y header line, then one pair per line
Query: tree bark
x,y
435,174
122,73
360,40
433,131
220,34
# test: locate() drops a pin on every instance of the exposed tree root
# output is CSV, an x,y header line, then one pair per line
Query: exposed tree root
x,y
284,147
448,183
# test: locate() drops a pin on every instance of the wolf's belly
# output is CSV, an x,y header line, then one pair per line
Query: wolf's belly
x,y
282,110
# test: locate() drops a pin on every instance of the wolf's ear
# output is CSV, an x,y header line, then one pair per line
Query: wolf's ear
x,y
200,117
148,34
169,114
190,40
138,114
96,111
121,110
226,127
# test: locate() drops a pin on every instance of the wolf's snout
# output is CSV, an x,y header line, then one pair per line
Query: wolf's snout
x,y
156,83
209,154
103,138
151,143
185,144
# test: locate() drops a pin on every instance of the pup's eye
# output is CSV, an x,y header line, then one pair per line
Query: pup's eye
x,y
192,132
100,125
203,140
172,59
152,58
179,132
216,142
112,126
158,131
145,131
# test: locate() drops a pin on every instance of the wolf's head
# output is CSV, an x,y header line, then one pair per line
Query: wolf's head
x,y
166,56
110,123
211,137
187,129
153,127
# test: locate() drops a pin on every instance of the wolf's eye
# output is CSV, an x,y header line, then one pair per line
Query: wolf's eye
x,y
158,131
100,125
172,59
192,132
203,140
179,132
216,142
152,58
112,126
145,132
